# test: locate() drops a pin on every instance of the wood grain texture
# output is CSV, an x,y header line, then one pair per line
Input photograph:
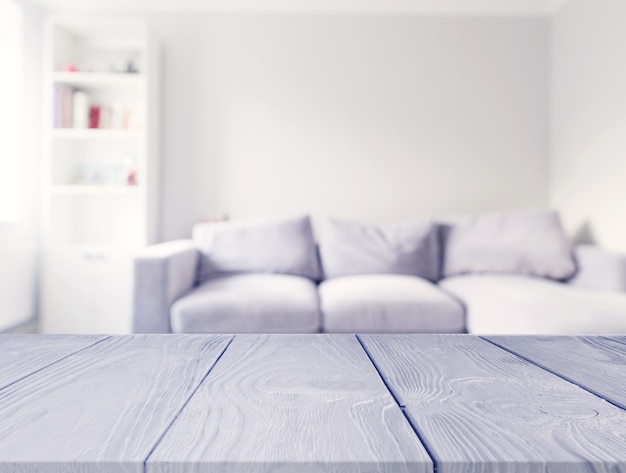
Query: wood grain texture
x,y
617,338
103,409
481,409
291,403
595,363
22,355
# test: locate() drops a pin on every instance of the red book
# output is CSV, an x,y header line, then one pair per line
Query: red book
x,y
94,117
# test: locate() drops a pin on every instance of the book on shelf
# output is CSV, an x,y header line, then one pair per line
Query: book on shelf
x,y
63,106
80,107
73,109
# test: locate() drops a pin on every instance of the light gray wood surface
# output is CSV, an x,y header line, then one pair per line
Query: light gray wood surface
x,y
22,355
291,403
105,408
595,363
481,409
311,403
617,338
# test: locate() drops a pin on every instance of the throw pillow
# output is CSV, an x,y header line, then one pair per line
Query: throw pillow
x,y
283,245
349,248
530,243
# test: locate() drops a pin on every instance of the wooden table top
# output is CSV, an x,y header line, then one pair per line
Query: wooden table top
x,y
312,403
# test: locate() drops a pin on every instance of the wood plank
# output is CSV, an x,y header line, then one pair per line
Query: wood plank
x,y
291,403
595,363
105,408
22,355
479,408
617,338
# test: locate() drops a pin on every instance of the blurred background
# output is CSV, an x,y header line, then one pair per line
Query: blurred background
x,y
123,123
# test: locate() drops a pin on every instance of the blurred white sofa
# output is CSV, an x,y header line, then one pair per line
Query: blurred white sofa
x,y
501,273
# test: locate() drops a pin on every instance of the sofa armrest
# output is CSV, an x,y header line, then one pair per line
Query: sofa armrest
x,y
162,273
599,270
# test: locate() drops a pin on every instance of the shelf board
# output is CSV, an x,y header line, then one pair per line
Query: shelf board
x,y
93,134
94,190
92,246
97,79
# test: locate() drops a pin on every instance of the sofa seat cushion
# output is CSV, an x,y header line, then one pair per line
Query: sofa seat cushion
x,y
513,304
249,303
388,303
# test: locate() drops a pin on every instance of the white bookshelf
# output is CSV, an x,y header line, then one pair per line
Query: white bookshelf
x,y
90,80
93,190
92,134
100,173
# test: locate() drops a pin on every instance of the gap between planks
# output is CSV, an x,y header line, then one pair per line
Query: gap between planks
x,y
554,373
615,338
400,406
2,388
195,390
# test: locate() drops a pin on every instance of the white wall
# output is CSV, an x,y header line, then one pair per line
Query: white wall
x,y
18,241
17,277
366,117
588,168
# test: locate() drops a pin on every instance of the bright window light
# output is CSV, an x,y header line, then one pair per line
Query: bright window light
x,y
10,110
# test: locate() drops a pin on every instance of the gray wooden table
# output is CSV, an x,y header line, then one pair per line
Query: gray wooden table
x,y
312,403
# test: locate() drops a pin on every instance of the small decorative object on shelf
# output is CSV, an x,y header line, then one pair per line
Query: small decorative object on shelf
x,y
131,180
130,170
94,116
121,173
131,67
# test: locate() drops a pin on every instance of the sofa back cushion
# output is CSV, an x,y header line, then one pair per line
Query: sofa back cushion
x,y
349,248
530,243
282,245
